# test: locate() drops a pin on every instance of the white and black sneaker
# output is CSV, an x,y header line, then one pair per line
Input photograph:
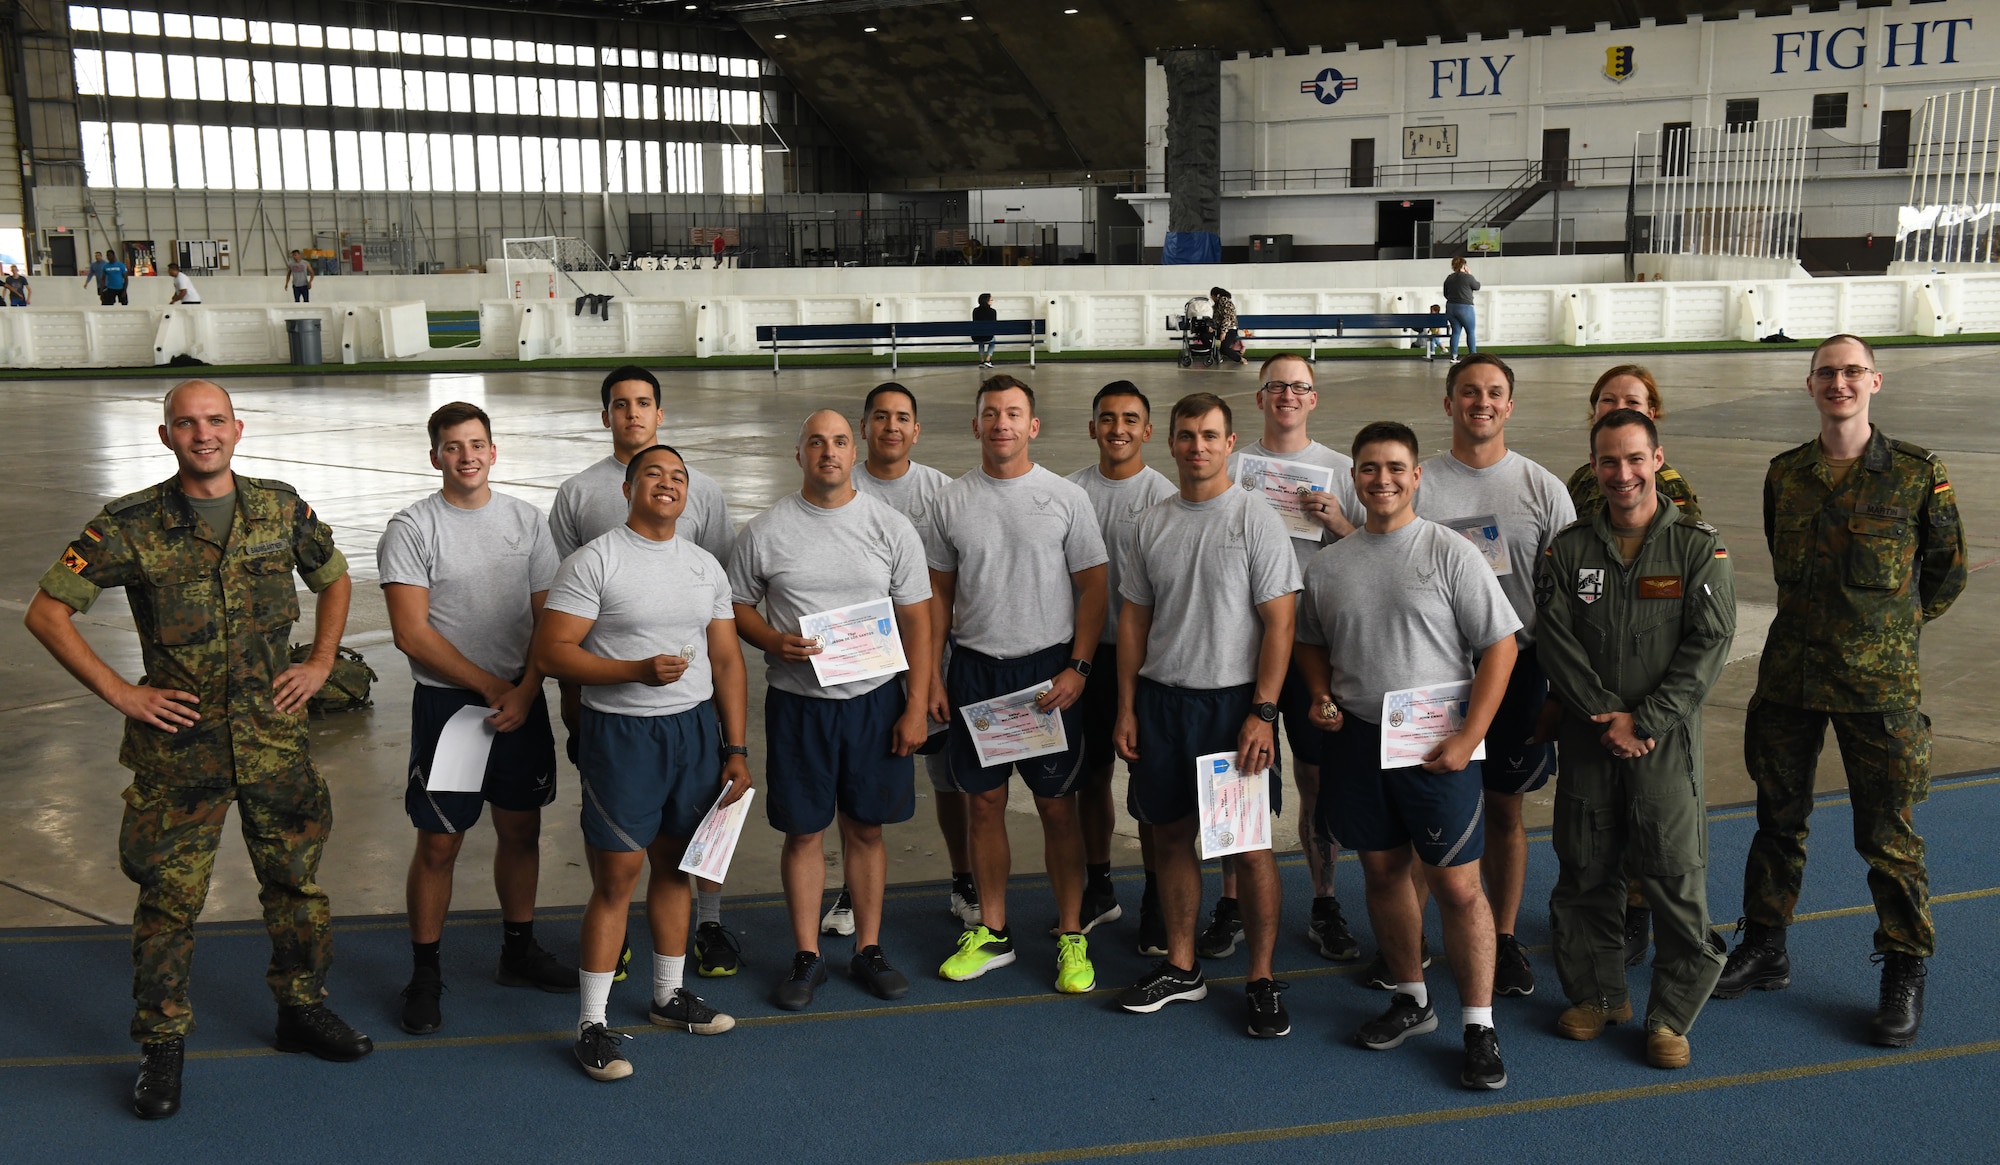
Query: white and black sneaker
x,y
1167,984
685,1009
598,1051
839,918
1483,1069
1268,1017
964,904
1405,1018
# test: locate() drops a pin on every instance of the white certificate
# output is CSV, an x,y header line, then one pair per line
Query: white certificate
x,y
714,840
1484,533
459,764
1417,720
856,643
1235,809
1283,484
1014,727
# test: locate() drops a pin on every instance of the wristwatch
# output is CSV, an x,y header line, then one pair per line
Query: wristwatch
x,y
729,750
1080,667
1268,713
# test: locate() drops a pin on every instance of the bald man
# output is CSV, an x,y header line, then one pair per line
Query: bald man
x,y
206,559
840,737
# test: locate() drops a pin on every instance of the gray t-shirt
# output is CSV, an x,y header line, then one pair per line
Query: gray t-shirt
x,y
1014,544
1204,568
798,559
1400,610
910,495
1343,486
480,567
593,502
647,598
301,272
1118,505
1532,506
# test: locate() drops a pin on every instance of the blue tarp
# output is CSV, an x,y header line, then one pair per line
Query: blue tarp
x,y
1192,247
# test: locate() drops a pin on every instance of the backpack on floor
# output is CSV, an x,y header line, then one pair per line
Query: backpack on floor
x,y
347,685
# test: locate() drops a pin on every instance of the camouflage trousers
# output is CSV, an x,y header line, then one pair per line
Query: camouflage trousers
x,y
167,845
1887,756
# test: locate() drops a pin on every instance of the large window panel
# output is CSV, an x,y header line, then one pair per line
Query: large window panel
x,y
89,66
530,99
347,159
243,148
710,110
237,72
572,166
433,45
263,88
437,93
312,84
151,70
456,48
189,167
177,24
482,48
552,165
158,143
118,80
566,98
413,90
506,95
364,40
85,20
145,23
309,36
319,158
215,149
565,55
635,167
482,93
631,99
209,85
292,144
442,176
489,163
649,101
127,155
461,92
96,148
115,19
531,165
339,38
260,32
551,103
510,162
232,29
287,78
613,107
340,86
503,50
374,175
284,34
614,167
593,177
413,44
653,185
586,100
396,152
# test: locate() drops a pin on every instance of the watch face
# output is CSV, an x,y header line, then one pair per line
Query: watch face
x,y
1082,667
1267,712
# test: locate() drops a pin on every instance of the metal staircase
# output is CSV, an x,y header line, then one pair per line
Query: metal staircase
x,y
1501,210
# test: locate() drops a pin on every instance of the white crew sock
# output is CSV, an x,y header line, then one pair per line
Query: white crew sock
x,y
593,992
1481,1016
667,971
707,906
1416,991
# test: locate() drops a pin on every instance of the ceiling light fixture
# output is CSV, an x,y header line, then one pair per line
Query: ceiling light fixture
x,y
780,36
870,28
1069,12
965,18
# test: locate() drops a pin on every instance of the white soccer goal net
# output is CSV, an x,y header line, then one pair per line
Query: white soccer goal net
x,y
534,267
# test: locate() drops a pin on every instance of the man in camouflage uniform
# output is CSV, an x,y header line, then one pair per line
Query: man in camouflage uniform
x,y
206,559
1867,548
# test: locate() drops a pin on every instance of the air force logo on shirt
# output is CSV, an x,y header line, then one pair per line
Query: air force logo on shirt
x,y
1589,583
1042,502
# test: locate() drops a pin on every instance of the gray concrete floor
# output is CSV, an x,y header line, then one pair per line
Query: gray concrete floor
x,y
355,448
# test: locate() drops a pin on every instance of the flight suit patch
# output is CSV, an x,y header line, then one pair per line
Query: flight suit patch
x,y
1660,586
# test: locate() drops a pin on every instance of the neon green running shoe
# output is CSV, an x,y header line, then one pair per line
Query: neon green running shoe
x,y
979,951
1074,974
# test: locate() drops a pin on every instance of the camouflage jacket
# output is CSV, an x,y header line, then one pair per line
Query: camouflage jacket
x,y
213,620
1860,569
1588,498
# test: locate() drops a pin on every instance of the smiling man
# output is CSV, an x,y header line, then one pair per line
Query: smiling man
x,y
206,559
1867,549
1637,608
1121,486
641,619
464,573
1511,508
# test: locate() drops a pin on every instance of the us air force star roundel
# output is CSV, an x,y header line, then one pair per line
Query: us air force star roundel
x,y
1589,583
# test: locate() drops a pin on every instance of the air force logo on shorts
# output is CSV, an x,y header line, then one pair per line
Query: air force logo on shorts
x,y
1589,583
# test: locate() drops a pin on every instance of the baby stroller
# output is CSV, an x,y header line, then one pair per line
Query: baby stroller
x,y
1197,328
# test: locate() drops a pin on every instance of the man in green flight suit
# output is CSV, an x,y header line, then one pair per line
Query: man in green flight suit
x,y
1867,548
206,559
1638,608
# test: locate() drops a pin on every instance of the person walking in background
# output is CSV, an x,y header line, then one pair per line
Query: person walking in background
x,y
184,291
16,284
1458,289
299,274
96,272
985,311
112,282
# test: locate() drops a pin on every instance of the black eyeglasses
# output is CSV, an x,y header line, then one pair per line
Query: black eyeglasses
x,y
1295,387
1851,372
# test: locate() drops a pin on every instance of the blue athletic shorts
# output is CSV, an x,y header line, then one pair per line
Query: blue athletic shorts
x,y
1372,808
974,677
1300,732
820,754
1514,763
520,771
1176,725
646,777
1099,708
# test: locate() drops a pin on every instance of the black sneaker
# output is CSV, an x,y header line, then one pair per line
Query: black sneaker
x,y
1638,934
315,1028
1377,975
598,1051
156,1095
795,993
1511,973
1901,1011
1329,934
624,962
1152,931
686,1010
716,951
1403,1020
872,968
1225,930
1268,1017
1483,1069
536,968
421,1014
1758,961
1167,984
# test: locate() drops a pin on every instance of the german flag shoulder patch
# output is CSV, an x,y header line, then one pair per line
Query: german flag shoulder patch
x,y
1940,487
1721,552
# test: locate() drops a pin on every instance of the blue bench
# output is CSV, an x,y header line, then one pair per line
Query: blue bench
x,y
1344,326
921,334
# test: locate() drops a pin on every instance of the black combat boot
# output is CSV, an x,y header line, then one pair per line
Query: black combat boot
x,y
1758,961
1901,1011
315,1028
157,1094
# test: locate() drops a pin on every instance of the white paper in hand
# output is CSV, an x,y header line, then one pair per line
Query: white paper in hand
x,y
1234,808
714,840
459,765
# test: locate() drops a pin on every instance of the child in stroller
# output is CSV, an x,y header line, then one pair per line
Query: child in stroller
x,y
1198,339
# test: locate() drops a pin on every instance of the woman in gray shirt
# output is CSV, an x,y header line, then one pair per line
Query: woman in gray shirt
x,y
1458,289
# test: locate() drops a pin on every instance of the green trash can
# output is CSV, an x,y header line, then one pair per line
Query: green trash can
x,y
304,338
